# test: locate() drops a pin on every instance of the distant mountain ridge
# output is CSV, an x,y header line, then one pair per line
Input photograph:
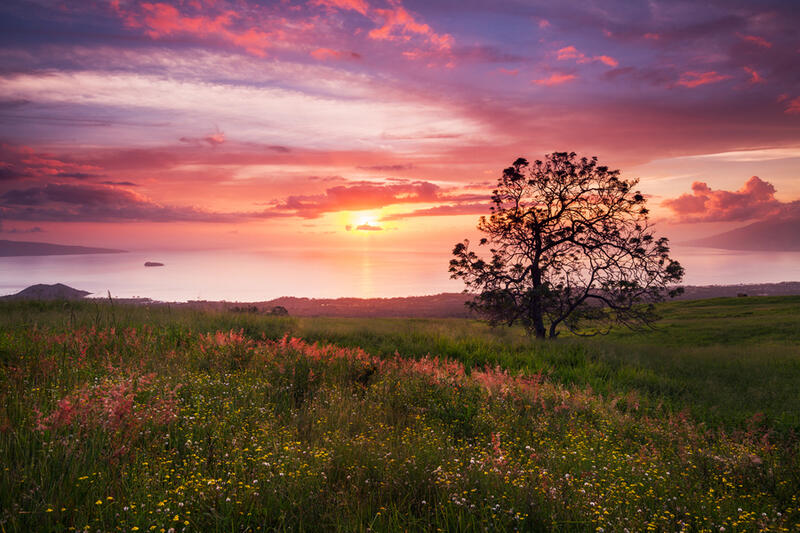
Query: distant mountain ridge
x,y
26,248
782,235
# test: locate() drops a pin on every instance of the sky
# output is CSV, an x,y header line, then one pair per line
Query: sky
x,y
324,124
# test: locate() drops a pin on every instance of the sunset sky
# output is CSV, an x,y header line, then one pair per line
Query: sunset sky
x,y
199,124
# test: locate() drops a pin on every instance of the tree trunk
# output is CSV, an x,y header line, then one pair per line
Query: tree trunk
x,y
537,314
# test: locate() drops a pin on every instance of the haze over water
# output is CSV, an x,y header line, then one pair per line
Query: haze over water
x,y
257,276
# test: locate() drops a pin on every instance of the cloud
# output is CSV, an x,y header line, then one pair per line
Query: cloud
x,y
95,203
756,199
368,227
360,196
353,5
443,210
159,20
755,77
76,175
570,52
387,168
793,107
398,24
24,162
35,229
323,54
695,79
120,183
555,79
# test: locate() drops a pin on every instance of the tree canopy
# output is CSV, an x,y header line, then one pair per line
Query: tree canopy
x,y
569,244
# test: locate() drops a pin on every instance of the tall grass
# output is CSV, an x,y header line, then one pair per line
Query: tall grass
x,y
151,419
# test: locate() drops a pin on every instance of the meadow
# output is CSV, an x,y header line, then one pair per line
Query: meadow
x,y
135,418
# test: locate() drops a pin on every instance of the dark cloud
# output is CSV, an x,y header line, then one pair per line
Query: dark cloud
x,y
120,183
212,139
94,203
35,229
76,175
11,172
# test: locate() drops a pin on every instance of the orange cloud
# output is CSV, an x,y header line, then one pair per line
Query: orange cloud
x,y
756,199
695,79
555,79
756,40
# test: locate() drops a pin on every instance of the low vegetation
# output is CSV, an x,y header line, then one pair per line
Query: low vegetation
x,y
118,418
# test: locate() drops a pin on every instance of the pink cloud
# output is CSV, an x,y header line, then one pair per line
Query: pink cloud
x,y
755,77
756,40
25,162
608,60
756,199
544,23
570,52
652,36
695,79
555,79
354,5
508,72
399,23
793,107
160,20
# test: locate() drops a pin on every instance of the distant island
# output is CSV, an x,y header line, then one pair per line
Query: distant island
x,y
153,264
58,291
24,248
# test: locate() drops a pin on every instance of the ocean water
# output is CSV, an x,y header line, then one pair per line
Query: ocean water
x,y
257,276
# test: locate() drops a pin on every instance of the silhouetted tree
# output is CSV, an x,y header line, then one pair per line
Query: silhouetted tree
x,y
570,244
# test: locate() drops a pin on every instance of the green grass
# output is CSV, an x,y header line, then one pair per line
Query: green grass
x,y
692,426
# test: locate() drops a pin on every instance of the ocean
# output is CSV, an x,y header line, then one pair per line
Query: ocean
x,y
256,276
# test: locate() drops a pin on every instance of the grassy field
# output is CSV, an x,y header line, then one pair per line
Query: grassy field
x,y
151,419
